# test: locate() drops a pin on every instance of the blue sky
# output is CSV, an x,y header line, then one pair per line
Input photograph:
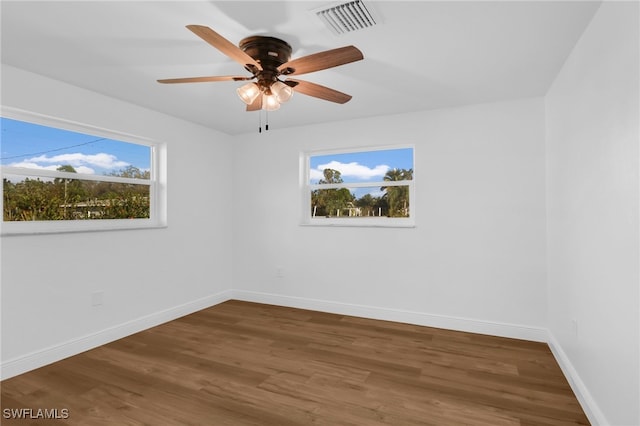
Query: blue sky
x,y
34,146
367,166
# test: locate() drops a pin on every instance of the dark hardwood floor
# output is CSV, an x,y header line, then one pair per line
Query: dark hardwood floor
x,y
242,363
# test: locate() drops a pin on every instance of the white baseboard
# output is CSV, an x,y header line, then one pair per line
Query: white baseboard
x,y
22,364
591,409
536,334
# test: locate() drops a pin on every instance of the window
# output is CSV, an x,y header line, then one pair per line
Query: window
x,y
59,176
372,187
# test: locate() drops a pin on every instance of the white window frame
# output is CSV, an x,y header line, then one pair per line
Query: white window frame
x,y
382,222
157,182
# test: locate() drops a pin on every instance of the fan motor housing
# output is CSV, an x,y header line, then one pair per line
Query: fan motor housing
x,y
270,52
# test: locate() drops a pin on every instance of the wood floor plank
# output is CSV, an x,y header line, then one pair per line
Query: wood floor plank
x,y
241,363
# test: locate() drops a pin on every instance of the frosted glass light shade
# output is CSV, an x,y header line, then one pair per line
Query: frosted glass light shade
x,y
270,103
282,92
248,93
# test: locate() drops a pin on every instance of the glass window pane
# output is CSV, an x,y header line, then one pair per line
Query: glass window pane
x,y
36,199
361,202
36,146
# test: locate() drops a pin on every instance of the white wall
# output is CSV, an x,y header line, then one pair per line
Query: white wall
x,y
146,275
489,253
592,145
475,260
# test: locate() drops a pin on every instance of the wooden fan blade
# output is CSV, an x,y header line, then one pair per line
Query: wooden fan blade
x,y
318,91
224,46
204,79
322,60
256,104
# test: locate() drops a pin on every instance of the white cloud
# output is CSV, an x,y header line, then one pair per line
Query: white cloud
x,y
85,170
350,170
82,163
315,175
30,165
101,160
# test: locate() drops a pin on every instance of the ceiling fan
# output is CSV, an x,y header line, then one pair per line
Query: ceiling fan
x,y
268,59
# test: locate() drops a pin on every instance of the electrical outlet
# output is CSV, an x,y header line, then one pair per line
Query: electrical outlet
x,y
97,298
279,271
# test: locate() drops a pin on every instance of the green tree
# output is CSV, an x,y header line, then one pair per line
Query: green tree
x,y
30,199
126,201
367,204
70,191
132,172
328,202
397,197
9,203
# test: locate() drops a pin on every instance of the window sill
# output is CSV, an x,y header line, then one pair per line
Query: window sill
x,y
361,223
9,229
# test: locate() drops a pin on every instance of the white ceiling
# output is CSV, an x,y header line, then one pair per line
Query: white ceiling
x,y
423,54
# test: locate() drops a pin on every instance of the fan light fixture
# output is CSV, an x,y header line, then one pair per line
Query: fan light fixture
x,y
248,93
270,102
281,91
273,95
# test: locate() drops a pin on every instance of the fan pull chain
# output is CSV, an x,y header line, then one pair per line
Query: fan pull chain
x,y
266,125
